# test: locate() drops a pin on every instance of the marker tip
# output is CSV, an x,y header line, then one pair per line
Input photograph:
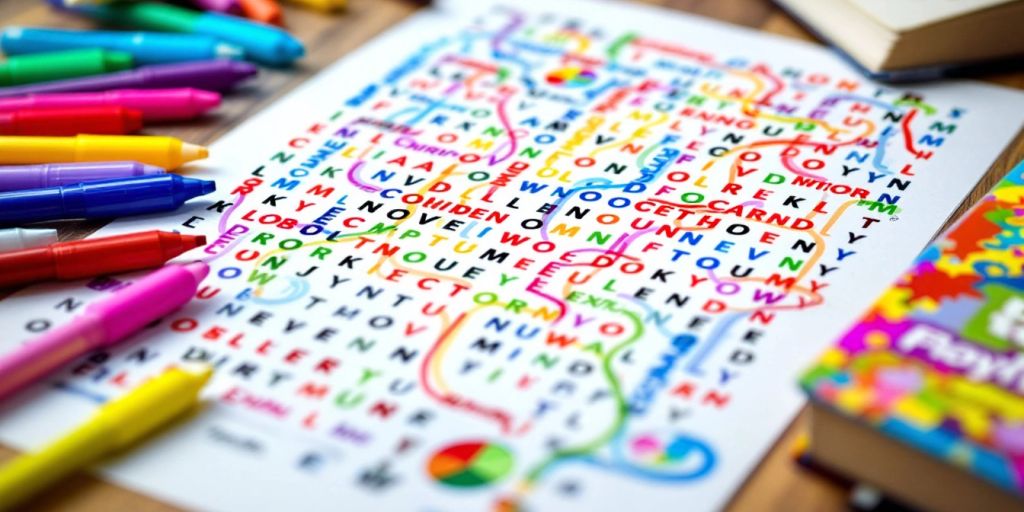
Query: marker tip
x,y
206,100
201,371
198,269
190,152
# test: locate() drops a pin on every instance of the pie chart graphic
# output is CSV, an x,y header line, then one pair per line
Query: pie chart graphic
x,y
571,76
470,464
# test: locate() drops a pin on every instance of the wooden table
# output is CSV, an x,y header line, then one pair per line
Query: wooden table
x,y
777,484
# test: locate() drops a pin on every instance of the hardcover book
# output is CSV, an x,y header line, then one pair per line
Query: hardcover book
x,y
924,396
910,40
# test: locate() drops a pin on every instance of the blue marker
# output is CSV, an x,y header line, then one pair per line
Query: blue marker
x,y
102,199
144,47
263,43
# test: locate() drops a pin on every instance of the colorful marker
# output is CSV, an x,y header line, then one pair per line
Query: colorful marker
x,y
263,43
102,324
321,5
71,121
102,199
44,67
22,177
92,257
215,75
263,11
15,239
224,6
114,427
153,104
166,152
144,47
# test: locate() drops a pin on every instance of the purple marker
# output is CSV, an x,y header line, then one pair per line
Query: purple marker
x,y
22,177
215,75
225,6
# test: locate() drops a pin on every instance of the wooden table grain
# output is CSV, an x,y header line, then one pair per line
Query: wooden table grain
x,y
776,484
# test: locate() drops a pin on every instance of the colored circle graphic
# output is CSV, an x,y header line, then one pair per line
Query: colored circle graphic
x,y
572,76
470,464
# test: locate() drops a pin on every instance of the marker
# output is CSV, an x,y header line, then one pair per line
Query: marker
x,y
21,177
262,43
92,257
102,199
71,121
321,5
44,67
215,75
102,324
263,11
113,428
154,104
144,47
225,6
166,152
15,239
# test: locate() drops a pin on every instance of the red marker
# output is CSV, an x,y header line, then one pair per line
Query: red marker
x,y
94,257
71,121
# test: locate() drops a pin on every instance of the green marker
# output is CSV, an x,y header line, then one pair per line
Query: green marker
x,y
44,67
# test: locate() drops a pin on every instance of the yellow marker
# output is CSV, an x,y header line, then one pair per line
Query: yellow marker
x,y
166,152
321,5
115,426
801,444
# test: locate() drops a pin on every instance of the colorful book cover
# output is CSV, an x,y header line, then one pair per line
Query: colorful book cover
x,y
937,361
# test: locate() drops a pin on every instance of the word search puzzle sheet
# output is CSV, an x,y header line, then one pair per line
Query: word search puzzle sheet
x,y
526,256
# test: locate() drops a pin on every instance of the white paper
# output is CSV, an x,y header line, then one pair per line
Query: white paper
x,y
706,391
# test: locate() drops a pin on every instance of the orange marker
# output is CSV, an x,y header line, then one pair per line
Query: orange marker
x,y
265,11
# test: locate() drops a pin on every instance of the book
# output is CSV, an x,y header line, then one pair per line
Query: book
x,y
917,39
923,397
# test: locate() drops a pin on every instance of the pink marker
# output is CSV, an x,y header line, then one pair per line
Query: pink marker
x,y
155,104
103,323
225,6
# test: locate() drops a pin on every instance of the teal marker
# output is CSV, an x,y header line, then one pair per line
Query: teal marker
x,y
262,43
144,47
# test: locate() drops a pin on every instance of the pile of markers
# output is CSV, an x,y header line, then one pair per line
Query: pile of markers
x,y
70,102
266,11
